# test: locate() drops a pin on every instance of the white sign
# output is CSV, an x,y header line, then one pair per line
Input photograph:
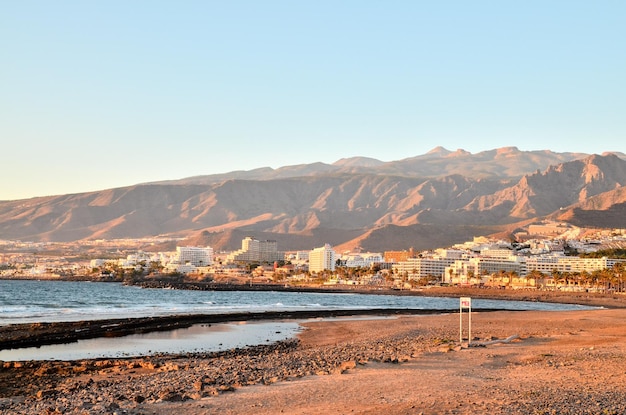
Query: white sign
x,y
466,302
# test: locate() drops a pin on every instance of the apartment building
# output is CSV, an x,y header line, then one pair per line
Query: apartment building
x,y
254,250
484,266
323,258
561,263
432,266
364,260
198,257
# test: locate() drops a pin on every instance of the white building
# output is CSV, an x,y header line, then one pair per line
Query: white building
x,y
190,259
253,250
432,266
364,260
481,267
198,257
561,263
322,258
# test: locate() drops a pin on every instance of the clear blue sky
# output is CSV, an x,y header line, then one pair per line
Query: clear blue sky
x,y
101,94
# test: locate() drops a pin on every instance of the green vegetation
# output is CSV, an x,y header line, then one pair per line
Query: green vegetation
x,y
619,253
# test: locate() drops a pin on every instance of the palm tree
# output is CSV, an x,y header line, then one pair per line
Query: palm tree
x,y
556,277
618,271
595,278
606,275
450,273
535,275
584,278
502,274
470,276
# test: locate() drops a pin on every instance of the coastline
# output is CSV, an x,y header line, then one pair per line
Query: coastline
x,y
48,333
344,366
39,334
613,300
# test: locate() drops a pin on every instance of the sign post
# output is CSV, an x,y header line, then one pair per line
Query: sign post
x,y
465,303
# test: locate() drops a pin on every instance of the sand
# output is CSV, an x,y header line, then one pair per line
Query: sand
x,y
563,363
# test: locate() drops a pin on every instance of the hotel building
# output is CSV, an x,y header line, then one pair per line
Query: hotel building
x,y
253,250
322,258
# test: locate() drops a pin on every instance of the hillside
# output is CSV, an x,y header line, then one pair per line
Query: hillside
x,y
375,211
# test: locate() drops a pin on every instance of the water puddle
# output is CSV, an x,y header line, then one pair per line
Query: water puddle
x,y
198,338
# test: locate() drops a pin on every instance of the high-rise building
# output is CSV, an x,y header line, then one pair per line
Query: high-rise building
x,y
253,250
199,257
322,258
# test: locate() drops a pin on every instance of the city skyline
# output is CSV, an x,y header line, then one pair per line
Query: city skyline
x,y
104,95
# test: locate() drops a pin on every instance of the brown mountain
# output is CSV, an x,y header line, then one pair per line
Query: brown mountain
x,y
542,193
606,210
374,210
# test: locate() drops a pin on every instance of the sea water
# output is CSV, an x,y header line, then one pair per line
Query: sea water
x,y
50,301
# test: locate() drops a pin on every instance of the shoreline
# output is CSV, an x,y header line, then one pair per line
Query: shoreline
x,y
23,335
363,366
608,300
39,334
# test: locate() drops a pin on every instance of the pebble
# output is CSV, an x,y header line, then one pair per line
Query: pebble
x,y
59,388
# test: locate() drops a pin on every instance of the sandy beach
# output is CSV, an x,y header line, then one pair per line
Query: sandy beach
x,y
531,362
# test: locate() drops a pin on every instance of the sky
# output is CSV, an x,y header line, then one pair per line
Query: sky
x,y
103,94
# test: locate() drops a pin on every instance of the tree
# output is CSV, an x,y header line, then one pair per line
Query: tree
x,y
595,278
556,277
618,271
535,275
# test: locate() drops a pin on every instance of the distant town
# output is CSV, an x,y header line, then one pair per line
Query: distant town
x,y
546,256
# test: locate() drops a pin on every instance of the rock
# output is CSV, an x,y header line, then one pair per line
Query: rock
x,y
351,364
170,367
170,396
148,364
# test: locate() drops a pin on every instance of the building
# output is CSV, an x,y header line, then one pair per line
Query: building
x,y
198,257
481,267
398,256
321,259
253,250
363,260
431,266
546,264
549,228
190,259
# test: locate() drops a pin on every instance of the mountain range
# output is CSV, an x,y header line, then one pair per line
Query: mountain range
x,y
428,201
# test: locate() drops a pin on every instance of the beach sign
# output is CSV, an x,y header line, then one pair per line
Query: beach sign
x,y
465,303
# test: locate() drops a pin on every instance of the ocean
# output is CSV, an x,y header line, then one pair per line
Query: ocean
x,y
50,301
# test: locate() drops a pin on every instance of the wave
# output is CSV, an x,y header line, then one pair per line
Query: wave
x,y
47,301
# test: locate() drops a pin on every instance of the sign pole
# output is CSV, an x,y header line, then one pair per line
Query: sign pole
x,y
465,303
469,330
461,322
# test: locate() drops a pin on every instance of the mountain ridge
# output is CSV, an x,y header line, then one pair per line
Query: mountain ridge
x,y
505,162
354,202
